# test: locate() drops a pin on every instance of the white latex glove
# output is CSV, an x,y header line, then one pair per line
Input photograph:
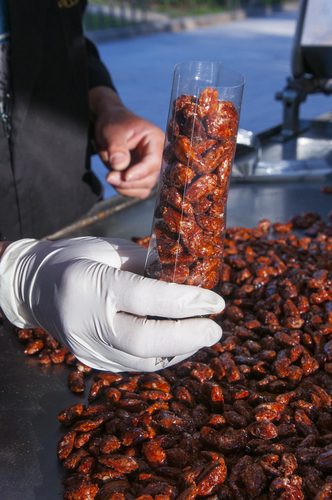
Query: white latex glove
x,y
86,292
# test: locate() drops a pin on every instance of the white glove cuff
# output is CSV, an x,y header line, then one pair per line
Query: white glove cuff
x,y
11,301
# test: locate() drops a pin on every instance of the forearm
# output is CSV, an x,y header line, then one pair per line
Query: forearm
x,y
102,100
3,246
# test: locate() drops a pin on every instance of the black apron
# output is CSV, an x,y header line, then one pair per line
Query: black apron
x,y
45,177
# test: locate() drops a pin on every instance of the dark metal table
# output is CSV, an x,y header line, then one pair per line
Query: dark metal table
x,y
33,396
247,204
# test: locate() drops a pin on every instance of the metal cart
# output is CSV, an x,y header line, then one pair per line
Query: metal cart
x,y
296,149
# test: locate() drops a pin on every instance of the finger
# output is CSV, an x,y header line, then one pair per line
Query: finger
x,y
146,155
140,189
141,178
132,255
143,170
149,297
146,338
118,161
117,361
102,356
141,194
118,179
117,149
107,357
143,165
177,359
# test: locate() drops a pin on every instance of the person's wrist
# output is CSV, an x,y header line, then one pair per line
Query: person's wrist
x,y
103,100
3,246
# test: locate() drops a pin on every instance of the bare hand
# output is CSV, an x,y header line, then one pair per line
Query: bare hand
x,y
130,146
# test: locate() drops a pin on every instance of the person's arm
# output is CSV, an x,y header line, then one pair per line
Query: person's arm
x,y
130,146
3,246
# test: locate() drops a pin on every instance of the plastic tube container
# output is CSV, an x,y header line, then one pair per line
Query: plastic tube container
x,y
189,223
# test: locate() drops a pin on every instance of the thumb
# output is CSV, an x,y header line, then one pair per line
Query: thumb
x,y
118,151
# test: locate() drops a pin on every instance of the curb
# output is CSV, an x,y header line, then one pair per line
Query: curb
x,y
187,23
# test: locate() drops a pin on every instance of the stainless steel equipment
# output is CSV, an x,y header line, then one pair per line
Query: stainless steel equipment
x,y
297,149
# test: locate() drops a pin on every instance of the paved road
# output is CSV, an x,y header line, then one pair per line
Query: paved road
x,y
257,47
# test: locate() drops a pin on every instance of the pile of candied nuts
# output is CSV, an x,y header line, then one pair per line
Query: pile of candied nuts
x,y
48,351
251,416
189,225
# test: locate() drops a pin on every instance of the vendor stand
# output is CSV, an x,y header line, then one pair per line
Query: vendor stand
x,y
264,186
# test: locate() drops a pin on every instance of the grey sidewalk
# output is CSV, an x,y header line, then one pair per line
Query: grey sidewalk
x,y
154,22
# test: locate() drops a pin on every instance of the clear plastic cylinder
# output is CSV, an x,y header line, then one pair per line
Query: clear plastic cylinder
x,y
189,223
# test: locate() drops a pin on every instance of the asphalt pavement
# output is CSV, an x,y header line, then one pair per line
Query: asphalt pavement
x,y
258,47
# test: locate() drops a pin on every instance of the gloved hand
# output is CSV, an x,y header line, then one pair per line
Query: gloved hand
x,y
87,293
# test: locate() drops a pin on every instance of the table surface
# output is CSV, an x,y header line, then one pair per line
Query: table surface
x,y
248,203
32,396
